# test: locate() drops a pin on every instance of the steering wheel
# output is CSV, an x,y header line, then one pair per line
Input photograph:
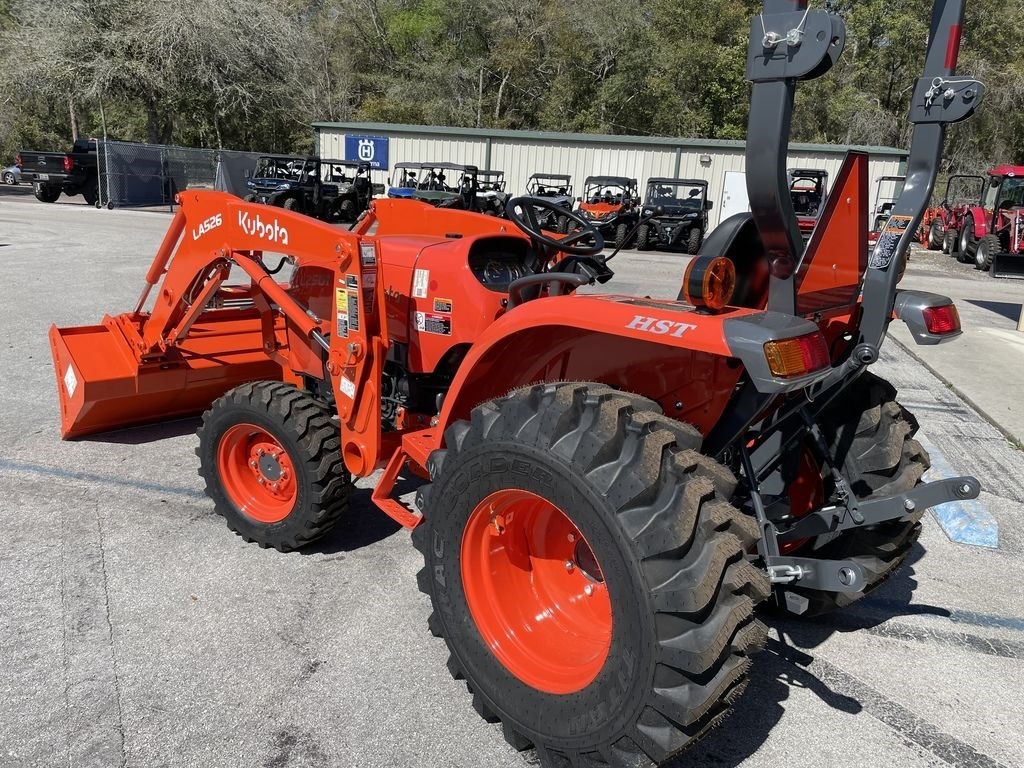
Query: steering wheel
x,y
522,211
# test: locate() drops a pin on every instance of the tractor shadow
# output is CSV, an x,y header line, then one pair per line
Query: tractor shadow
x,y
1003,308
786,664
363,524
147,433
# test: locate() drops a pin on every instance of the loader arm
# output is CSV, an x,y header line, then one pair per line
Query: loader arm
x,y
200,337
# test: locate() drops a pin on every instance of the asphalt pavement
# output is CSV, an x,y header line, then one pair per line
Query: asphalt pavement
x,y
138,631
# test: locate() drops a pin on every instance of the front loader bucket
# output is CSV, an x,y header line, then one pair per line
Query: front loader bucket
x,y
1008,265
103,385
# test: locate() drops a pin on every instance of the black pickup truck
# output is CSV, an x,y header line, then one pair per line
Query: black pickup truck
x,y
53,173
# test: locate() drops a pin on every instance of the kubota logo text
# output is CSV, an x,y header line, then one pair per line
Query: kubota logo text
x,y
211,223
272,231
658,326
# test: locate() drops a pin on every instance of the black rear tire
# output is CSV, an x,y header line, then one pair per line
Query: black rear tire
x,y
46,193
347,211
871,439
693,241
672,551
91,195
935,235
302,426
988,246
949,241
250,198
967,243
291,204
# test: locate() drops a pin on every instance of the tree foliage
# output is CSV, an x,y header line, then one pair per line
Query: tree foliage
x,y
254,73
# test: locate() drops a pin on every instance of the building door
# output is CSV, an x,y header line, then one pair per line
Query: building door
x,y
734,195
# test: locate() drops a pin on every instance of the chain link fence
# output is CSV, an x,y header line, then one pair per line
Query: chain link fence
x,y
134,174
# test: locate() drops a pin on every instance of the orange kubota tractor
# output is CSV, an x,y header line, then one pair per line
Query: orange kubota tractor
x,y
614,483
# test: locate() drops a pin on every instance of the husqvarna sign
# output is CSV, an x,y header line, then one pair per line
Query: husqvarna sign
x,y
367,149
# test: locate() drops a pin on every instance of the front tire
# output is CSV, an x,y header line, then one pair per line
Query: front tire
x,y
935,235
291,204
609,520
988,246
643,238
271,459
622,235
10,179
871,440
693,241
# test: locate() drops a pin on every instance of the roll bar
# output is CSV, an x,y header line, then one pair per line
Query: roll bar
x,y
788,43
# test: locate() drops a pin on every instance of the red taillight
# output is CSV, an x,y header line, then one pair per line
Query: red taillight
x,y
69,163
796,357
942,320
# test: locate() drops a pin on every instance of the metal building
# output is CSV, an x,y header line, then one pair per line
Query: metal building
x,y
521,153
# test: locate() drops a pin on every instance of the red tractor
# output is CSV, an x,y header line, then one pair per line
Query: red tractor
x,y
613,484
943,226
993,232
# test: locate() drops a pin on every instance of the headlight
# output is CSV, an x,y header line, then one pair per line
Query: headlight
x,y
648,212
286,185
250,184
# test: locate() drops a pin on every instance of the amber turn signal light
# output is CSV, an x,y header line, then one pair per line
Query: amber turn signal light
x,y
795,357
942,320
709,282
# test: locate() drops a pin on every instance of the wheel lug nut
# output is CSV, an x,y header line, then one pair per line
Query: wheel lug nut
x,y
569,565
261,481
572,538
274,486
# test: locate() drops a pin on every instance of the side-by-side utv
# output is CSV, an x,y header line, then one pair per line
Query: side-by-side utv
x,y
491,196
556,188
611,484
808,189
351,187
442,185
612,205
675,214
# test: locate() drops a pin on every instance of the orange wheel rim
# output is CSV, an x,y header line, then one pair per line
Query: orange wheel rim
x,y
536,591
256,472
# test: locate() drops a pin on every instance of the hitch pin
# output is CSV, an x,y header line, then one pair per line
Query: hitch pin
x,y
785,574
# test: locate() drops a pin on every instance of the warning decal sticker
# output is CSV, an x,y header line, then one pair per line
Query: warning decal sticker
x,y
351,281
420,281
429,322
70,381
353,310
341,310
443,305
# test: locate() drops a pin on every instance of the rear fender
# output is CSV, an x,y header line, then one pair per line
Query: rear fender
x,y
982,220
689,362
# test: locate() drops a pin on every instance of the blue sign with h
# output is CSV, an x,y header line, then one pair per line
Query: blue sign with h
x,y
367,149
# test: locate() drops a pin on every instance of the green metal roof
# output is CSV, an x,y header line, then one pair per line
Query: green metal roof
x,y
589,138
